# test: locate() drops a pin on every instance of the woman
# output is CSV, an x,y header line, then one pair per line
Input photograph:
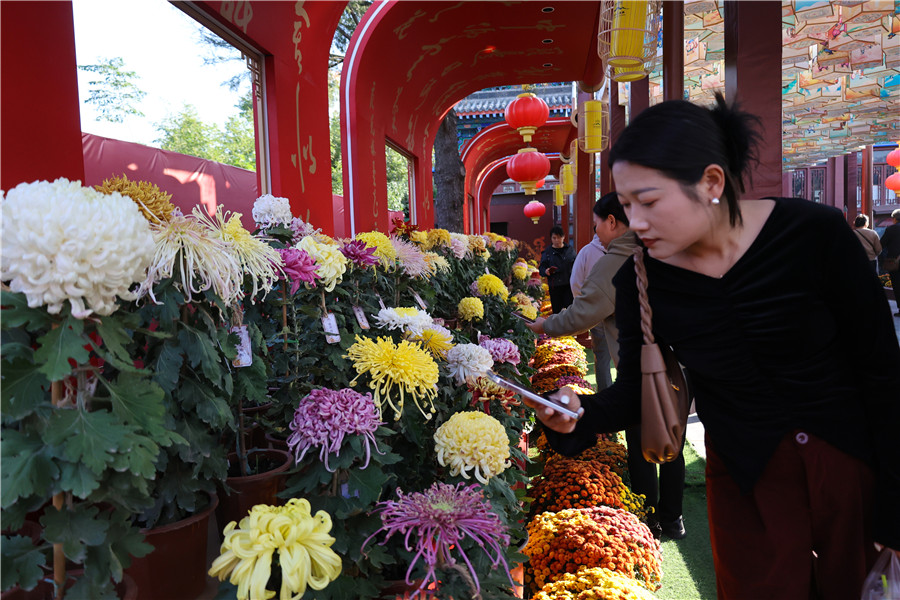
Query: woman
x,y
597,305
868,238
761,301
556,266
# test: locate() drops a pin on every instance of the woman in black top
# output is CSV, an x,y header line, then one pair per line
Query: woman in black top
x,y
790,348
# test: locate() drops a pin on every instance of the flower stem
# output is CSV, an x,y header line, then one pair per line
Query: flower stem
x,y
59,556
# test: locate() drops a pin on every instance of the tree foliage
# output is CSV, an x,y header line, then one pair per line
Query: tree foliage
x,y
113,92
233,144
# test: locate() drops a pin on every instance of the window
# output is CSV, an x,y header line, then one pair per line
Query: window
x,y
798,183
817,184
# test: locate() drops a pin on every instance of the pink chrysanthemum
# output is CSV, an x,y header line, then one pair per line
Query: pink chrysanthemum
x,y
573,380
300,229
359,253
299,266
473,288
411,259
325,416
437,522
501,349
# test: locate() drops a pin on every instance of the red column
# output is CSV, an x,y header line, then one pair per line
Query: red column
x,y
866,183
851,181
753,78
40,125
673,50
585,191
639,98
616,125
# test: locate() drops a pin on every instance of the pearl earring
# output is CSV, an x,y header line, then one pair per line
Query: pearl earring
x,y
714,201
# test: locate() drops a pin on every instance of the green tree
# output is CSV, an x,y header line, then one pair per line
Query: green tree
x,y
238,146
397,180
113,93
188,134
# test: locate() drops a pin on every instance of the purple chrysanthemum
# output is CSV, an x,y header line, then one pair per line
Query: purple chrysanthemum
x,y
473,287
501,349
573,380
325,416
299,266
359,253
438,521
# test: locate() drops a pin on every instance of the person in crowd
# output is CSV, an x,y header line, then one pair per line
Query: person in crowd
x,y
890,255
789,346
597,304
556,266
585,260
868,238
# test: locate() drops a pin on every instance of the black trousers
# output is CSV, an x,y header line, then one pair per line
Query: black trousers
x,y
560,297
664,491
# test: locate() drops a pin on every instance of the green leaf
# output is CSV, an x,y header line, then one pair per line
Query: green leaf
x,y
75,527
58,345
27,467
140,453
16,313
201,350
138,401
78,479
367,483
89,437
209,407
167,366
115,337
23,389
20,563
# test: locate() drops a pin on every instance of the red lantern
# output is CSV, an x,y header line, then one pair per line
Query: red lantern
x,y
893,158
528,167
534,210
539,184
526,113
893,182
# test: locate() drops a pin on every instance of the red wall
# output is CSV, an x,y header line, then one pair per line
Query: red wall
x,y
507,208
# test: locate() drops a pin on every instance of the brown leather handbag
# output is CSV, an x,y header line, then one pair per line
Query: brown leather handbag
x,y
665,400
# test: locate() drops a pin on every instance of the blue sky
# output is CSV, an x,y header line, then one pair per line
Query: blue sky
x,y
161,44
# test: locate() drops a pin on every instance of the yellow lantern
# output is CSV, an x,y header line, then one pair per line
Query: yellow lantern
x,y
626,74
628,34
558,197
593,126
567,179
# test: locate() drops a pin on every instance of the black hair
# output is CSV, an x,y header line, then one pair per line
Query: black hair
x,y
557,230
861,221
608,204
681,139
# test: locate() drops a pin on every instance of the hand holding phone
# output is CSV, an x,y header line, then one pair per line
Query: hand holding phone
x,y
552,270
523,317
556,405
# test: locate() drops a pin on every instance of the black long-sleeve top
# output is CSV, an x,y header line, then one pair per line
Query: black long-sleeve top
x,y
797,335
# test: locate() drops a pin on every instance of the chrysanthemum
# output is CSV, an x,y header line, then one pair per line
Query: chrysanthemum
x,y
325,416
419,237
491,285
153,202
468,362
473,441
437,237
258,259
438,524
64,242
411,259
405,366
303,544
528,311
520,271
384,249
459,245
476,244
359,253
329,260
406,319
501,349
437,263
300,229
470,308
434,338
485,392
269,210
299,266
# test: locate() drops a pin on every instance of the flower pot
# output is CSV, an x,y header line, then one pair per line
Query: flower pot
x,y
241,493
126,589
176,569
273,440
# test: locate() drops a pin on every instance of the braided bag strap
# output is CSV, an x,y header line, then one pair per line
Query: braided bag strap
x,y
646,311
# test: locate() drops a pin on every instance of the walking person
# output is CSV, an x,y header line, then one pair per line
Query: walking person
x,y
790,348
556,266
595,307
868,238
890,255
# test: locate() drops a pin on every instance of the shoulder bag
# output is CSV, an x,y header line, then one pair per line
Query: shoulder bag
x,y
665,400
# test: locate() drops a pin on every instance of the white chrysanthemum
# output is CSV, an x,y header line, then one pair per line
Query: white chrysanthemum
x,y
62,241
468,362
330,261
269,210
459,243
434,338
408,320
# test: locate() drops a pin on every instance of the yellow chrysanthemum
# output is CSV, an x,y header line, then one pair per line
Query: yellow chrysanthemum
x,y
437,263
594,582
153,202
436,237
476,244
301,539
384,249
528,311
470,308
407,366
434,338
418,237
329,259
473,441
491,285
521,271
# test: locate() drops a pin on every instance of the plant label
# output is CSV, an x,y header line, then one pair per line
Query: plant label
x,y
361,317
332,333
244,357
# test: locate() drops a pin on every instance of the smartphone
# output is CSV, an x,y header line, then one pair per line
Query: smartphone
x,y
515,387
523,317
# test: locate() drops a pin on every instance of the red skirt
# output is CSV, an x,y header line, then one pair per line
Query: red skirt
x,y
805,531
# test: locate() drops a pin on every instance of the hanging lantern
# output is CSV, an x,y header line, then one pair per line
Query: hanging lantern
x,y
627,74
893,158
593,126
628,34
526,113
534,210
893,182
567,179
528,167
559,199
